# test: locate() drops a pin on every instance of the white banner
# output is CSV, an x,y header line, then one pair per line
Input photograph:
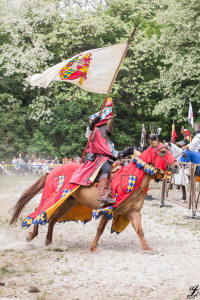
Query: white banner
x,y
190,115
92,70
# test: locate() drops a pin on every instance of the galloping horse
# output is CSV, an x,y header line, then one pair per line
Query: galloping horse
x,y
149,165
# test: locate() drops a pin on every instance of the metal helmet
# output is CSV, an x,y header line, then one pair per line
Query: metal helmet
x,y
110,126
197,127
153,137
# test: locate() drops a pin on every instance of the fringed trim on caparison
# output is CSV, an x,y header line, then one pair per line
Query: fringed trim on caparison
x,y
40,220
107,212
149,169
28,221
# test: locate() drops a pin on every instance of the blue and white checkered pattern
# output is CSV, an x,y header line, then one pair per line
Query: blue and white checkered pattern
x,y
106,111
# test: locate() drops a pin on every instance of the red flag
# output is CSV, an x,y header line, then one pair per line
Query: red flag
x,y
174,135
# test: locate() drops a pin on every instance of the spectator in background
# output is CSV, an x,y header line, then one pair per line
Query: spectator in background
x,y
32,158
35,167
20,160
3,167
14,161
15,164
52,165
30,166
26,160
77,159
56,161
45,167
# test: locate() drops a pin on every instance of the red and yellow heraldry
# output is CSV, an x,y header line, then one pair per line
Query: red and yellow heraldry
x,y
76,67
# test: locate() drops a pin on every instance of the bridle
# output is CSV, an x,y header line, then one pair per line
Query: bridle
x,y
159,154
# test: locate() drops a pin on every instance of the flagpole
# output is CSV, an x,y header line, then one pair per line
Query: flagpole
x,y
172,131
110,88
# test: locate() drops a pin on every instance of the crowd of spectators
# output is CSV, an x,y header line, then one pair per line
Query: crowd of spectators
x,y
32,165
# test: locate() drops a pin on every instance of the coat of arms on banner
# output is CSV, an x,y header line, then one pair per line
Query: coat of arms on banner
x,y
128,183
76,67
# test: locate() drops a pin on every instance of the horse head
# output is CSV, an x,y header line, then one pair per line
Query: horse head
x,y
161,158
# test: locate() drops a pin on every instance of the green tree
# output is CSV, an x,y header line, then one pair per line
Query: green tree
x,y
159,75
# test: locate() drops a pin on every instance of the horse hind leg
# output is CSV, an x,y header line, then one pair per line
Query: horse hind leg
x,y
59,213
135,219
32,234
100,229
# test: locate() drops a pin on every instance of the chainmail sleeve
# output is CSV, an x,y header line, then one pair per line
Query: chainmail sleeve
x,y
88,132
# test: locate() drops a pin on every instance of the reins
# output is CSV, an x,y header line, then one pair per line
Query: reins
x,y
167,164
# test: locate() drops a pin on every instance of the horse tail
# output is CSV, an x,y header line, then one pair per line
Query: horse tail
x,y
27,196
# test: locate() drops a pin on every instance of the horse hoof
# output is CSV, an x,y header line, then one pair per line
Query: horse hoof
x,y
150,251
93,249
147,249
29,237
47,243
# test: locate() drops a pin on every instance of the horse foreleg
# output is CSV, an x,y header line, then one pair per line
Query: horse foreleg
x,y
100,229
32,234
184,192
135,219
59,213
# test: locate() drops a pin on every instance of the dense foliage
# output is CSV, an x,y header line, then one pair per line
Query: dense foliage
x,y
159,77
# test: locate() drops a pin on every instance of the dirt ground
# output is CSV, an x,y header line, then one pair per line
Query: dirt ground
x,y
119,270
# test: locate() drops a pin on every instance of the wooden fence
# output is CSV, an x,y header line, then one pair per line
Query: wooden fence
x,y
192,193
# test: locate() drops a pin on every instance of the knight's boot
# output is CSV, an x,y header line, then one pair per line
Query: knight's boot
x,y
104,191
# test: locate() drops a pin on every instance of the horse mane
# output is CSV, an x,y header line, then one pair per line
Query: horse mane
x,y
27,196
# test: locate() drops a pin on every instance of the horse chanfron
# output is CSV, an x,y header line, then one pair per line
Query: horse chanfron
x,y
174,168
161,158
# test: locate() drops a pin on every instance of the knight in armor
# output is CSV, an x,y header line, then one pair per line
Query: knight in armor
x,y
187,138
153,139
195,143
101,154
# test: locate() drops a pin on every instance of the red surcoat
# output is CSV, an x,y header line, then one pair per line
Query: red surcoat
x,y
98,145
